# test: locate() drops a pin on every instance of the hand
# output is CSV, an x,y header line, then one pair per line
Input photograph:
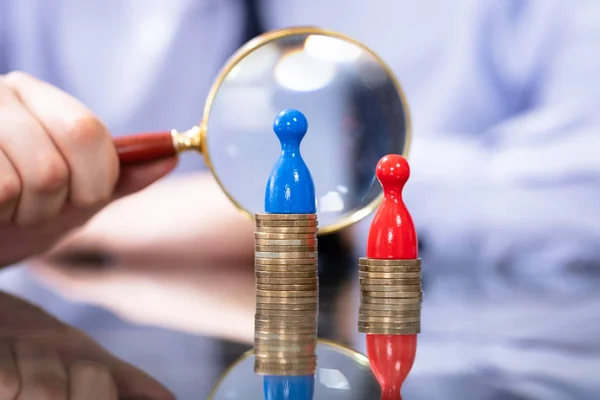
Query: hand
x,y
32,371
58,166
177,254
41,358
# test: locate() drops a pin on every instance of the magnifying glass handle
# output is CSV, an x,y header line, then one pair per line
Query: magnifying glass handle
x,y
145,147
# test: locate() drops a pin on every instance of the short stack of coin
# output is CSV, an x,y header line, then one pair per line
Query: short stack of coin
x,y
287,293
390,296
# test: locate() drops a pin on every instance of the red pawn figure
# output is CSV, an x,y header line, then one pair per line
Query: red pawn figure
x,y
392,236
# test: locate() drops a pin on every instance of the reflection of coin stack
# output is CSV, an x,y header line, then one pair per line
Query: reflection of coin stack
x,y
286,294
391,295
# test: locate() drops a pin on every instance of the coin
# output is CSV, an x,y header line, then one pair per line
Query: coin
x,y
269,217
286,326
388,320
286,229
295,360
386,330
397,295
285,321
290,280
289,368
287,371
284,261
285,365
286,249
259,334
276,344
364,300
389,282
388,325
284,272
268,312
305,332
286,358
388,262
287,300
279,363
283,353
389,313
291,255
300,371
285,242
288,307
287,287
287,275
287,349
295,316
388,275
284,236
290,270
299,359
367,307
388,270
286,293
275,332
308,370
301,340
391,289
285,223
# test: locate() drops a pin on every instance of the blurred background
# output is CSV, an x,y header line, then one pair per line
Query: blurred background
x,y
503,99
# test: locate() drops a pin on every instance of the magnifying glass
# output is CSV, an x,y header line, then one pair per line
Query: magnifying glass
x,y
342,374
356,113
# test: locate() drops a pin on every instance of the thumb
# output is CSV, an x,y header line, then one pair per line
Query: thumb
x,y
134,178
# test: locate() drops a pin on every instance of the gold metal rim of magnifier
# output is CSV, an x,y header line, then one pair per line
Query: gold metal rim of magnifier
x,y
196,138
355,355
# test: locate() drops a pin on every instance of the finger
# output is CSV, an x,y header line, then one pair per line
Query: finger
x,y
136,178
43,171
131,382
83,140
9,377
43,377
10,189
91,381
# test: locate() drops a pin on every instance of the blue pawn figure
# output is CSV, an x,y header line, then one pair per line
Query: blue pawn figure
x,y
290,188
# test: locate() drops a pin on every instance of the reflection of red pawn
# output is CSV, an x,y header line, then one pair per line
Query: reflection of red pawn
x,y
392,236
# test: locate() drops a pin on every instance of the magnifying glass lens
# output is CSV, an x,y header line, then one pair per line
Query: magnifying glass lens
x,y
342,374
355,116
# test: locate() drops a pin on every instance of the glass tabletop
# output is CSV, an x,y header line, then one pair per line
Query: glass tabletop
x,y
475,342
508,346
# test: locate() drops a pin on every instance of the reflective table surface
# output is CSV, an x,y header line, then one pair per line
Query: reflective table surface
x,y
476,343
504,345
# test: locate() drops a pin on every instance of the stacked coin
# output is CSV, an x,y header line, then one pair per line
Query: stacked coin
x,y
285,328
390,296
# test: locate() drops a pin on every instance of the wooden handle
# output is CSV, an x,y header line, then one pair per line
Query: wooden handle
x,y
145,147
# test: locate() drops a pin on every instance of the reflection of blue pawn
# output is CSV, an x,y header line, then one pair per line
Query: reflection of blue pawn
x,y
290,188
289,387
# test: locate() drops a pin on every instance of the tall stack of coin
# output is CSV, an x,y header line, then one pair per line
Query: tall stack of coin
x,y
390,296
285,333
